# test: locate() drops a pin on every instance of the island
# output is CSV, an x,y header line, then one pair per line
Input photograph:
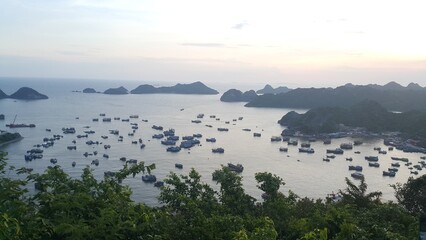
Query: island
x,y
89,90
117,91
268,89
191,88
367,115
7,137
392,96
234,95
26,93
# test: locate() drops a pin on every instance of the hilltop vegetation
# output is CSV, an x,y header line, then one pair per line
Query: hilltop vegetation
x,y
191,88
24,93
85,208
392,96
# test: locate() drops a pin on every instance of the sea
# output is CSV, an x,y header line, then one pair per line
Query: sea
x,y
307,175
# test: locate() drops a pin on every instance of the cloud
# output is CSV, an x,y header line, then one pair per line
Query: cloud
x,y
203,44
240,26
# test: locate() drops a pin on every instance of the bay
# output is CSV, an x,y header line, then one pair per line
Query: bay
x,y
304,174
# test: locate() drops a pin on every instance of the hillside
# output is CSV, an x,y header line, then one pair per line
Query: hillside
x,y
390,96
367,114
268,89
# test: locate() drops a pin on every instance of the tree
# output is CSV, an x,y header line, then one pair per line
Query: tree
x,y
358,194
269,183
412,195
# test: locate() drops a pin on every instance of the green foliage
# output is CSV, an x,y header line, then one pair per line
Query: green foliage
x,y
412,195
87,208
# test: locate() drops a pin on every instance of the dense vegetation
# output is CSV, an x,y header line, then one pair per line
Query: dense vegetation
x,y
86,208
6,137
367,114
235,95
392,98
191,88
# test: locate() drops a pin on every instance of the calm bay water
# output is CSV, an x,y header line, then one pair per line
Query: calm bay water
x,y
305,174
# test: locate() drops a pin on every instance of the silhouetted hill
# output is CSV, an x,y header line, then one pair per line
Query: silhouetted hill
x,y
89,90
192,88
26,93
268,89
404,99
2,94
117,91
368,114
234,95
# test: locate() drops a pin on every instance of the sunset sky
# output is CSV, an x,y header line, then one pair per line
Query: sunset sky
x,y
294,43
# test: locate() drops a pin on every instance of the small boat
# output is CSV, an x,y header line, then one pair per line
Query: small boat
x,y
306,150
168,142
331,156
374,164
196,121
355,168
283,149
210,139
357,175
222,129
383,152
247,129
395,165
400,159
157,127
158,136
326,159
377,148
53,160
178,165
173,149
393,169
346,146
142,146
414,172
372,158
201,115
357,142
389,174
73,164
276,139
305,145
335,151
105,155
149,178
95,162
240,118
134,116
159,184
292,142
236,168
257,135
327,141
357,152
218,150
106,119
349,159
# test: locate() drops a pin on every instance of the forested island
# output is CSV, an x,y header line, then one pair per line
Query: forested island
x,y
235,95
24,93
85,208
191,88
116,91
366,114
392,96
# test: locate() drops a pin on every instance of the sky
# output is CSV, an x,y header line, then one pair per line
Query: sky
x,y
290,43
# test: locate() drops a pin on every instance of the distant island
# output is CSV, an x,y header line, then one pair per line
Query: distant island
x,y
191,88
392,96
234,95
24,93
366,114
268,89
89,90
116,91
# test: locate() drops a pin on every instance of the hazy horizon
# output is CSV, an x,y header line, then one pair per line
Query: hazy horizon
x,y
282,43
